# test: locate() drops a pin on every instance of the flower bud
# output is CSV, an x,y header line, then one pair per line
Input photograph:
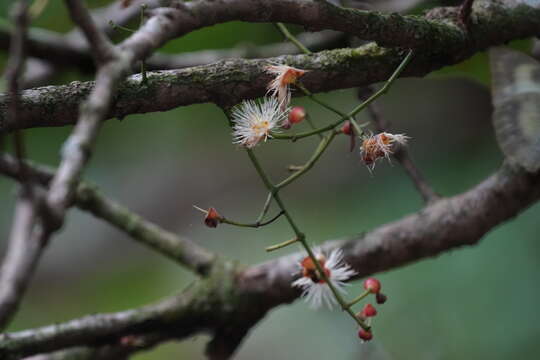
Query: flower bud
x,y
372,285
381,298
346,128
212,218
365,335
297,115
369,311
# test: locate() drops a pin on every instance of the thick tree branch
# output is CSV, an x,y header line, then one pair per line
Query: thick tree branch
x,y
228,82
62,50
87,197
215,304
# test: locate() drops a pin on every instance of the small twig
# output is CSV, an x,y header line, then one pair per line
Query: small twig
x,y
292,38
282,245
265,208
401,155
323,145
102,48
253,225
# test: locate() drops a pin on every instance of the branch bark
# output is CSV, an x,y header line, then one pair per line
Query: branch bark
x,y
222,83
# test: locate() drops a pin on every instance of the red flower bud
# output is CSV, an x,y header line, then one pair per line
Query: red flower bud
x,y
369,311
297,115
381,298
346,128
212,218
372,285
365,335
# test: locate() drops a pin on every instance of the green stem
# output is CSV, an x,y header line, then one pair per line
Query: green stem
x,y
292,38
358,298
356,110
310,95
312,124
281,245
120,27
254,225
265,208
356,127
323,145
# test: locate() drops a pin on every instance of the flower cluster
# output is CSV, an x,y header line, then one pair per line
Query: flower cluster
x,y
254,121
371,286
315,289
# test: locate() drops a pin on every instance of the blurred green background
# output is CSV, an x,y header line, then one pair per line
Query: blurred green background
x,y
477,302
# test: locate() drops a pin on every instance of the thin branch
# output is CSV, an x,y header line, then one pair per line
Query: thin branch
x,y
401,155
102,49
323,145
256,224
22,253
88,198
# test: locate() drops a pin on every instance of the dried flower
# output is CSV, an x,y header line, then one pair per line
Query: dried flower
x,y
381,145
212,217
284,76
381,298
253,121
315,290
372,285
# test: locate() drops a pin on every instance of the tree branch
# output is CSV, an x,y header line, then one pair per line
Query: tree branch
x,y
222,83
220,302
22,253
87,197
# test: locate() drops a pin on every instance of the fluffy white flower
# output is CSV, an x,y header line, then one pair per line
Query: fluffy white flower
x,y
283,76
316,291
253,121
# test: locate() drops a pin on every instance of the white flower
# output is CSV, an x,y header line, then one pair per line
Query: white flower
x,y
375,147
284,76
316,291
253,121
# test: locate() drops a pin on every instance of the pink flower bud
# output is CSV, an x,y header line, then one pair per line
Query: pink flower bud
x,y
346,128
365,335
372,285
369,311
297,115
